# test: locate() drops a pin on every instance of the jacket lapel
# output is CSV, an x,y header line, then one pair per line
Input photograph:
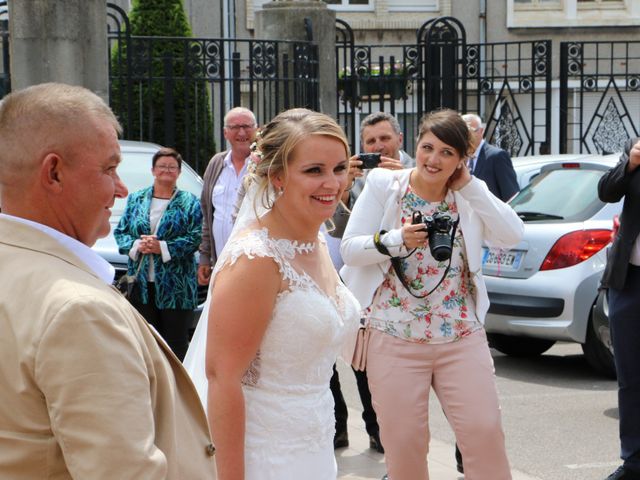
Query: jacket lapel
x,y
480,161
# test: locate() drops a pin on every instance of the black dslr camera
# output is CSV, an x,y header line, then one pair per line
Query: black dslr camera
x,y
369,160
438,227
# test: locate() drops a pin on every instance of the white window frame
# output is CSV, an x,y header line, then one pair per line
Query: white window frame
x,y
345,7
538,5
571,13
413,5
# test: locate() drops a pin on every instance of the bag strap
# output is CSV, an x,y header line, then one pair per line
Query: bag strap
x,y
397,266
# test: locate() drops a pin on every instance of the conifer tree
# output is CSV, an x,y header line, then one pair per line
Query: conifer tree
x,y
150,59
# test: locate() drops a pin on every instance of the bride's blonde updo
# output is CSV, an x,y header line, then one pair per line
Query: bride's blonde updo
x,y
277,140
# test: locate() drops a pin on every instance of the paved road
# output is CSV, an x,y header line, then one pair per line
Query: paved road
x,y
560,417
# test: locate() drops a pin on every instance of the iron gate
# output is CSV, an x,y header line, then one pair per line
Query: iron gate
x,y
179,98
508,83
599,101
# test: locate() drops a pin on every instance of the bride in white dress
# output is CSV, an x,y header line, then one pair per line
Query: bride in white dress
x,y
277,313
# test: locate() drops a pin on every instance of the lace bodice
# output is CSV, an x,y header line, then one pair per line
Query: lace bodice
x,y
289,406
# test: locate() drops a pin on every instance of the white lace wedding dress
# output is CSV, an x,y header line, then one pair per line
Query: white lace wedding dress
x,y
288,405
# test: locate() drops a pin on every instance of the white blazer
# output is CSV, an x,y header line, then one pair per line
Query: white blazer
x,y
483,218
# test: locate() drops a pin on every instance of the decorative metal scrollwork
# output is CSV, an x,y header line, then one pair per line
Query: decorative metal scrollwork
x,y
205,59
411,60
611,134
486,86
472,61
264,55
526,84
506,134
633,82
590,83
362,60
304,60
574,60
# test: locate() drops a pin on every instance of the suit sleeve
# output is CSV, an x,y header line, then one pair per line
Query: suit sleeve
x,y
91,369
343,212
613,185
505,175
205,196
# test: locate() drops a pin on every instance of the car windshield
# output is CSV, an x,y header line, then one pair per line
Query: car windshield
x,y
562,195
135,172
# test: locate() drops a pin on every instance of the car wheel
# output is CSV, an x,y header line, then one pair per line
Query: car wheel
x,y
519,346
597,346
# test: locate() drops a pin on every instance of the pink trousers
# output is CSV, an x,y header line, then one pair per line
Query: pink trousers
x,y
461,373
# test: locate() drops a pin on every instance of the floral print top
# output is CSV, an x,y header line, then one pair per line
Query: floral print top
x,y
447,314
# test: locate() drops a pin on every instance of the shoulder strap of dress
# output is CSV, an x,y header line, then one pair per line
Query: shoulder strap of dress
x,y
258,244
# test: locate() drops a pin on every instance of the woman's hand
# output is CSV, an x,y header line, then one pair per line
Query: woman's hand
x,y
414,236
460,177
149,244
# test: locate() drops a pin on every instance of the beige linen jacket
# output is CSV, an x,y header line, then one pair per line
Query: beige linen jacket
x,y
87,389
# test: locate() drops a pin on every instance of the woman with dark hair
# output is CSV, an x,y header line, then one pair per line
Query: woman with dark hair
x,y
160,231
413,256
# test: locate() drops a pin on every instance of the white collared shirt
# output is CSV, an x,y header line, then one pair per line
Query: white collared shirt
x,y
98,265
223,198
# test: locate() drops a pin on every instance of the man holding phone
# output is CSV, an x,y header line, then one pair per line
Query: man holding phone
x,y
381,145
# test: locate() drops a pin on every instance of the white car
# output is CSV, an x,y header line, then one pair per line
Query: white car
x,y
543,290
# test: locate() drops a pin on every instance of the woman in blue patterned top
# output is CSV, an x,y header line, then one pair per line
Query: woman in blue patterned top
x,y
160,231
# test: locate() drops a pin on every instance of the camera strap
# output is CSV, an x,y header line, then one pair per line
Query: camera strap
x,y
397,265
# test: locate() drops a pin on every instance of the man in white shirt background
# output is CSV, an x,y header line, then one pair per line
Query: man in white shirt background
x,y
222,179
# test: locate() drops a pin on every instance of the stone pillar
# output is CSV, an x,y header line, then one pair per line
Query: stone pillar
x,y
284,20
59,41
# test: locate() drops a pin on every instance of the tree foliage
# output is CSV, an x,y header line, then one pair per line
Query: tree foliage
x,y
155,96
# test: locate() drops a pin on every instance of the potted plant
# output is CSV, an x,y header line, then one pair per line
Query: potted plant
x,y
390,81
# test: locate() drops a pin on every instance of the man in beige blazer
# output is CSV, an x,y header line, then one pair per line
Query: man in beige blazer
x,y
87,389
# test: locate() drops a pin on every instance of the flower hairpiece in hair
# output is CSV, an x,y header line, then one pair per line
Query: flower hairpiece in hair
x,y
256,156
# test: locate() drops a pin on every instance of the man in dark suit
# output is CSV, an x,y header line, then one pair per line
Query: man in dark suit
x,y
491,164
622,278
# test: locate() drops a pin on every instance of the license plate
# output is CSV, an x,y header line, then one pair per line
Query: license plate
x,y
507,259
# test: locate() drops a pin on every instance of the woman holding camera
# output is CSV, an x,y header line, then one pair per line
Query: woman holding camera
x,y
413,256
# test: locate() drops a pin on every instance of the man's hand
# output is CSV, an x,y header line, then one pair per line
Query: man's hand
x,y
354,172
204,274
390,163
634,157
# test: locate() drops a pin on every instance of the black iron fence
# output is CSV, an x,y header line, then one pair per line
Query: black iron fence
x,y
599,95
507,83
176,91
